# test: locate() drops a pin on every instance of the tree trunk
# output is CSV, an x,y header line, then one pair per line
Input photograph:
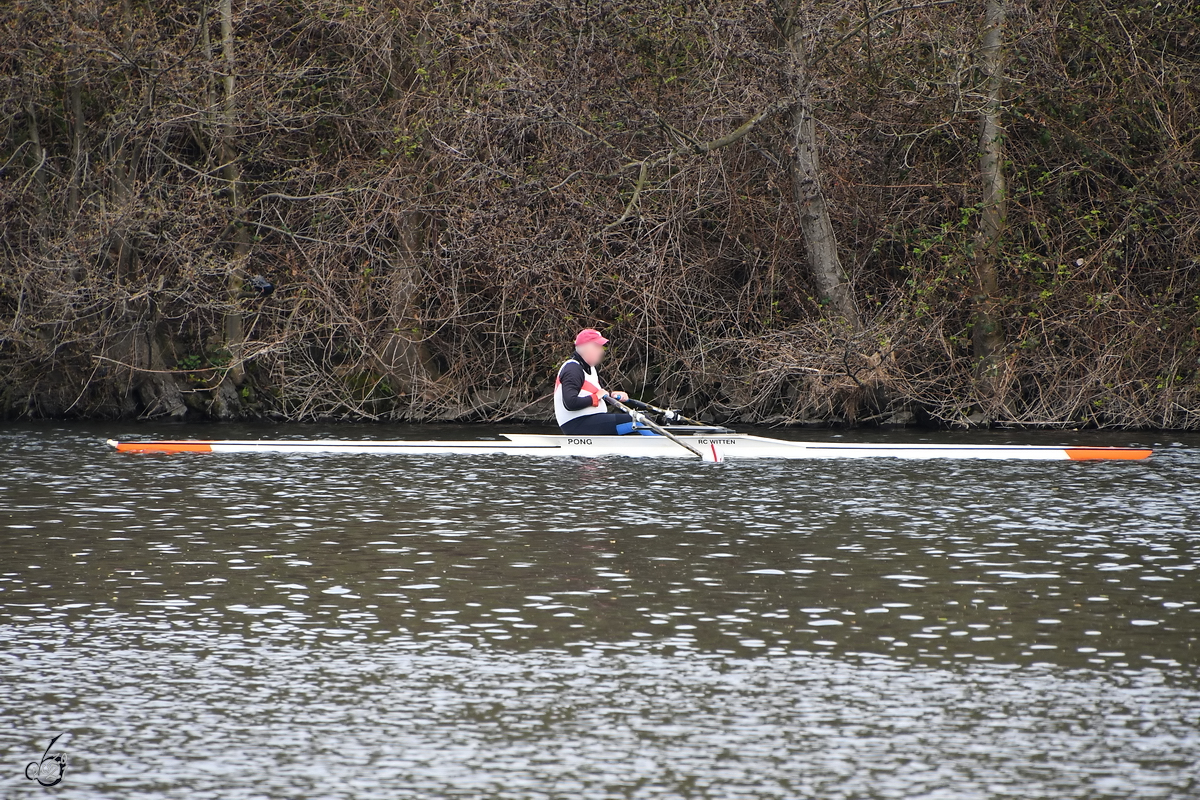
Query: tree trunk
x,y
156,387
404,356
234,330
76,147
988,333
804,166
75,98
39,155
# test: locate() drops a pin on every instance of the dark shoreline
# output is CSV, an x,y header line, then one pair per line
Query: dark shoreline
x,y
545,424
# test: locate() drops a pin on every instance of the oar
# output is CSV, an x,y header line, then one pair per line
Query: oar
x,y
647,407
713,455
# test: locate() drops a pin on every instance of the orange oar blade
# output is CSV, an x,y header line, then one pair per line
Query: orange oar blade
x,y
1107,453
161,447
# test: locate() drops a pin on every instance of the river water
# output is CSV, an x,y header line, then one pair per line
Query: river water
x,y
266,626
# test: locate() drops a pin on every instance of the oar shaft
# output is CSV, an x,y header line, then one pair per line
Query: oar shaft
x,y
654,426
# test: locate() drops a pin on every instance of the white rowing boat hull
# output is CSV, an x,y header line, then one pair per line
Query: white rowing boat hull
x,y
732,445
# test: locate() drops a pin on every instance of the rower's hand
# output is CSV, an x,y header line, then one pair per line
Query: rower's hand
x,y
621,396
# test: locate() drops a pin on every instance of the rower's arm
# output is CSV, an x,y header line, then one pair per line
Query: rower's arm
x,y
572,384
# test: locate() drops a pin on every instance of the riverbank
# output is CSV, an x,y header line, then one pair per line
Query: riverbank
x,y
389,211
806,376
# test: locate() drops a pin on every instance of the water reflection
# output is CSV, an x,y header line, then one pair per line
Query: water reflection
x,y
524,628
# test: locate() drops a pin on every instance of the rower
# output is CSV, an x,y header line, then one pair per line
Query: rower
x,y
579,396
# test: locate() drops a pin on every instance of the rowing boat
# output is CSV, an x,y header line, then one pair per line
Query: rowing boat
x,y
721,442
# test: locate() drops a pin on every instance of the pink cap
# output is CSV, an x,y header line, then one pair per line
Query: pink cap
x,y
588,335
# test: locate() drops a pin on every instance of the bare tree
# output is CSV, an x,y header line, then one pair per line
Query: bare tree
x,y
75,98
804,168
234,329
988,333
37,152
803,165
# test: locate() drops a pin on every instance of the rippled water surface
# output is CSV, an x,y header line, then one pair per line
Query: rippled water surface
x,y
245,626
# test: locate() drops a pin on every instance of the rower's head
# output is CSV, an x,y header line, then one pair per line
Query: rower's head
x,y
590,346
